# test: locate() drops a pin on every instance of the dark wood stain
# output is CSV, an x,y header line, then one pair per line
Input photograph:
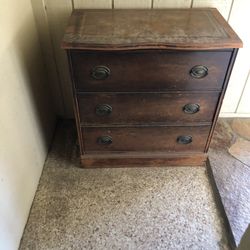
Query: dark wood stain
x,y
146,139
91,161
145,160
146,61
183,29
149,70
147,108
217,112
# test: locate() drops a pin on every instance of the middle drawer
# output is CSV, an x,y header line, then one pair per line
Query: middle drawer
x,y
149,108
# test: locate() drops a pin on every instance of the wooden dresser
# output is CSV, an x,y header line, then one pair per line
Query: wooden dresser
x,y
148,84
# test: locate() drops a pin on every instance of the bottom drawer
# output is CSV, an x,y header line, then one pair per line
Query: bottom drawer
x,y
164,138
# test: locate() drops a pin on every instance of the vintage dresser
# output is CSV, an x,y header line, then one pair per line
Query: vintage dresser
x,y
148,84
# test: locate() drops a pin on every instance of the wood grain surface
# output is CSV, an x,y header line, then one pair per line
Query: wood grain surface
x,y
147,108
171,29
149,70
145,139
132,79
143,160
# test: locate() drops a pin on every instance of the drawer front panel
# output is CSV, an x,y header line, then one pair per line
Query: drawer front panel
x,y
139,108
146,139
149,71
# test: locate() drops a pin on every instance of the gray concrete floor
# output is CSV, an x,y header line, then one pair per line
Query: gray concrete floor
x,y
126,208
230,160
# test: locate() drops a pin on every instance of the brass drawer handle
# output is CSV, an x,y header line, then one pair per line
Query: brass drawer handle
x,y
100,72
184,139
199,71
104,140
103,109
191,108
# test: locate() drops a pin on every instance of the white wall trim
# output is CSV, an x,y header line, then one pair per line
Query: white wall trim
x,y
225,115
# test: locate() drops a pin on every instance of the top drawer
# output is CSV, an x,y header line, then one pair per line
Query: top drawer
x,y
152,70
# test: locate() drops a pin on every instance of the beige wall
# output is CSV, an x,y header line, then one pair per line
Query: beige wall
x,y
26,118
52,16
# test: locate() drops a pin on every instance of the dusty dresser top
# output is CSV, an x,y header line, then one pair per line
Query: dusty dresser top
x,y
186,29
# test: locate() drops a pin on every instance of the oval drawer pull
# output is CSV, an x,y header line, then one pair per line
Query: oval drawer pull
x,y
199,71
184,139
191,108
103,109
100,72
104,140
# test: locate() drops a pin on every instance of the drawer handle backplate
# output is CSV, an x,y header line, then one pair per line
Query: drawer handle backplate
x,y
100,72
199,71
191,108
103,109
104,140
184,139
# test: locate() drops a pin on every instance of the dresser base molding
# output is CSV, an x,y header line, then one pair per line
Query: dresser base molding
x,y
142,160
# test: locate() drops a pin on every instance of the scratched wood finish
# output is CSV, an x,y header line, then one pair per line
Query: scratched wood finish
x,y
170,29
145,139
145,160
146,88
152,108
216,115
238,18
149,70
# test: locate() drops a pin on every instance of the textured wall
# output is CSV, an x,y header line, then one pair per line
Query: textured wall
x,y
27,119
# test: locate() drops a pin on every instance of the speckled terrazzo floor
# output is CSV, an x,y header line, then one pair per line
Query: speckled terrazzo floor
x,y
130,208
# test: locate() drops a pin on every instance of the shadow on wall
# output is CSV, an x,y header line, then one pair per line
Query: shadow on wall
x,y
30,60
27,119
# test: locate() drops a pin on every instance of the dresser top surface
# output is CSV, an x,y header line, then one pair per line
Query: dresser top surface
x,y
184,29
